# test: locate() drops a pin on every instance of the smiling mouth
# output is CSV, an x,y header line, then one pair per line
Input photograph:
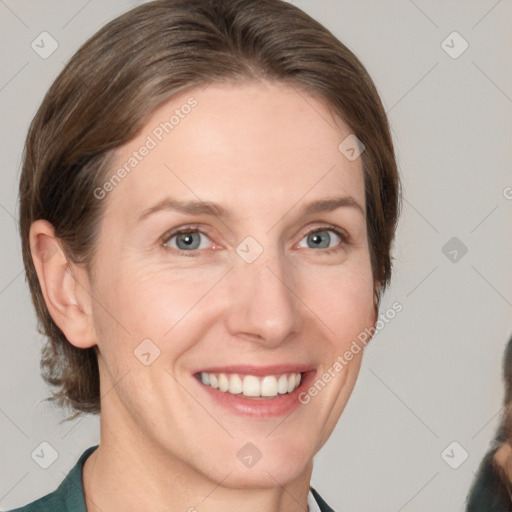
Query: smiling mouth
x,y
251,386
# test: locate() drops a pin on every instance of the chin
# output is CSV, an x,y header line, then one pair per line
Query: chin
x,y
263,464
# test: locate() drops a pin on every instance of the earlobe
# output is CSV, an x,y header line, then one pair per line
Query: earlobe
x,y
62,284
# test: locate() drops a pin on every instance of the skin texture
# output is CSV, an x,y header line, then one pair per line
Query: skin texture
x,y
261,150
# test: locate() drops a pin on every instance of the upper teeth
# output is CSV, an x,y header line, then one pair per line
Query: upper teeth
x,y
252,386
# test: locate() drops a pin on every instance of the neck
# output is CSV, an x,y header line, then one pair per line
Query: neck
x,y
129,472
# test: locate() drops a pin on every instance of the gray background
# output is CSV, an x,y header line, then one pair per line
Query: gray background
x,y
433,374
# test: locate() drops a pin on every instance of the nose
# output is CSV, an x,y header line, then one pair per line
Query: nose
x,y
264,306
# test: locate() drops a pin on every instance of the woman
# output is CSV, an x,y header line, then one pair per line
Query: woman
x,y
208,198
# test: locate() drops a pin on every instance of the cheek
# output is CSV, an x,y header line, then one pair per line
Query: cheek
x,y
141,301
342,298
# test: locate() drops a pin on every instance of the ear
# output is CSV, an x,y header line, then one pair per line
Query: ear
x,y
65,286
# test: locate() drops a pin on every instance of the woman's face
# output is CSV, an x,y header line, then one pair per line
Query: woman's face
x,y
269,283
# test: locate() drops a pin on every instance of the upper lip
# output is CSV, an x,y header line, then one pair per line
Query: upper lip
x,y
258,371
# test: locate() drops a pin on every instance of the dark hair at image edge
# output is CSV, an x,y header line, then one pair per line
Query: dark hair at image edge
x,y
491,487
135,63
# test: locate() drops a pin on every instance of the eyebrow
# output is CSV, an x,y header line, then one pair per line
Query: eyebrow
x,y
216,210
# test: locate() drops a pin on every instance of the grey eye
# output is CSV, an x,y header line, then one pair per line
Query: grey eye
x,y
187,240
321,239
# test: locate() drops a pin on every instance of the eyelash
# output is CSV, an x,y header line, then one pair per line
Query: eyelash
x,y
343,235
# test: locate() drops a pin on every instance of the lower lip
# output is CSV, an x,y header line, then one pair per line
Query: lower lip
x,y
280,405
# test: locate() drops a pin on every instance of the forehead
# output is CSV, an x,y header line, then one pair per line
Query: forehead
x,y
255,144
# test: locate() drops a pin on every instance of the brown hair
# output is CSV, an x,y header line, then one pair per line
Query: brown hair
x,y
131,66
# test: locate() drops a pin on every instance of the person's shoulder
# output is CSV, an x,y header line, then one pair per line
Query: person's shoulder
x,y
68,496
